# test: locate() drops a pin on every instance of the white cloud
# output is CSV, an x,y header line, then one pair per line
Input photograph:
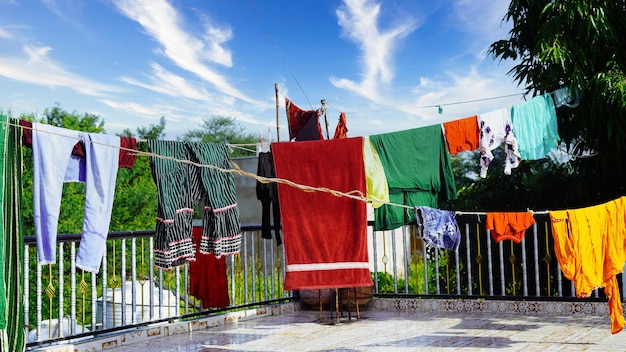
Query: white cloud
x,y
38,68
482,20
149,112
4,34
359,23
461,95
165,82
161,21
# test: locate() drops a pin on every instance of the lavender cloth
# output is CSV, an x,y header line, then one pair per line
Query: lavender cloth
x,y
53,165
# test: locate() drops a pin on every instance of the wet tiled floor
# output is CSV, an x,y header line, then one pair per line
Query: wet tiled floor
x,y
378,330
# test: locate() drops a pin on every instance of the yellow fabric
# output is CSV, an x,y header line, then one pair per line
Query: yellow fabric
x,y
589,244
376,181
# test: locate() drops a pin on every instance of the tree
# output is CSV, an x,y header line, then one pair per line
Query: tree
x,y
135,192
220,129
150,132
578,44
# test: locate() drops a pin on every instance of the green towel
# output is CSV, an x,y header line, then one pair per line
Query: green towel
x,y
418,170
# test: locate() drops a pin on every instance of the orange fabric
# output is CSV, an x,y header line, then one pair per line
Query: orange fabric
x,y
462,134
341,131
509,225
589,245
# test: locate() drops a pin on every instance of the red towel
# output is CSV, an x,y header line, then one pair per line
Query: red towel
x,y
325,236
207,275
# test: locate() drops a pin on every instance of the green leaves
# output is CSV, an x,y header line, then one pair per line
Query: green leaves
x,y
576,43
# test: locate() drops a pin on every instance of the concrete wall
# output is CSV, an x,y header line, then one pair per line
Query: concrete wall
x,y
249,205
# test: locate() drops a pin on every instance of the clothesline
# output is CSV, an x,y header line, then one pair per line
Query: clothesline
x,y
354,194
230,145
534,212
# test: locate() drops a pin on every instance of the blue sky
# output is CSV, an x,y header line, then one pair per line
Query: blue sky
x,y
383,63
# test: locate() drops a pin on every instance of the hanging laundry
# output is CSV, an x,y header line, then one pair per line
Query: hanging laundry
x,y
127,155
438,228
565,97
12,237
3,236
341,131
325,236
267,193
535,127
589,246
377,187
180,186
53,163
496,128
304,125
418,171
508,225
462,134
127,146
208,280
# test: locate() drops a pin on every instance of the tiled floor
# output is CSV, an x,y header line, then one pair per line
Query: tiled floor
x,y
400,331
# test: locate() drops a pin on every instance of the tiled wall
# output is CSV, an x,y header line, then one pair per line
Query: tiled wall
x,y
495,306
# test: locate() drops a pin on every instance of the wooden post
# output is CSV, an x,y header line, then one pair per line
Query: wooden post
x,y
323,101
277,113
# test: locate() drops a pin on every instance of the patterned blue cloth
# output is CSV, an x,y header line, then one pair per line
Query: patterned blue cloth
x,y
438,228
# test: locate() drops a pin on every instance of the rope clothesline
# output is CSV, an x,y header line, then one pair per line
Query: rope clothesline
x,y
354,194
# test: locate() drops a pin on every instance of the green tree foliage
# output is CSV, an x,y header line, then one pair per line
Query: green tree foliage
x,y
135,192
220,129
578,44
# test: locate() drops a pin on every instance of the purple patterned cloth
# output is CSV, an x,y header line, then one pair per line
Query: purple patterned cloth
x,y
438,228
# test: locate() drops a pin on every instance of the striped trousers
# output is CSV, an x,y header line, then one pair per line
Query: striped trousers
x,y
181,186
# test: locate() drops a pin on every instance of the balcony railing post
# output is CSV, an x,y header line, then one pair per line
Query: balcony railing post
x,y
38,308
525,268
394,260
104,291
406,255
375,260
133,279
26,299
502,268
536,256
489,262
73,288
469,259
123,279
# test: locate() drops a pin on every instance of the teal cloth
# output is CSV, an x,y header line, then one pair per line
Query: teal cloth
x,y
535,127
418,171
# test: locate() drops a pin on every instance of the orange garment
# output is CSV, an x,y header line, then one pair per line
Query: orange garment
x,y
509,225
589,245
341,131
462,134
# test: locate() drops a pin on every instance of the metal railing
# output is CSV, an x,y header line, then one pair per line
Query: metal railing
x,y
64,303
480,268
